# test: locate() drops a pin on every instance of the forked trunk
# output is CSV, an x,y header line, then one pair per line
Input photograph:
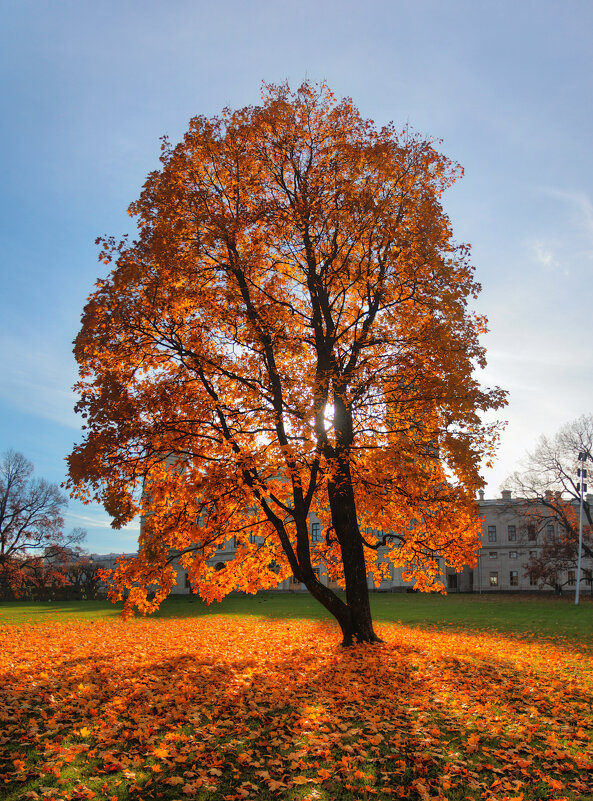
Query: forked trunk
x,y
357,625
354,617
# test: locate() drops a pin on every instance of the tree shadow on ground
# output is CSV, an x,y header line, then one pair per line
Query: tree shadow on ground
x,y
254,711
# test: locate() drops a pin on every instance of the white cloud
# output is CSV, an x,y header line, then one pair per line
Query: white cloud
x,y
101,537
549,382
544,254
582,208
572,223
100,520
36,378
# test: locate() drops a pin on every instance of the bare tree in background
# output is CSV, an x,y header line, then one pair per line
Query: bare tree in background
x,y
82,574
31,524
549,489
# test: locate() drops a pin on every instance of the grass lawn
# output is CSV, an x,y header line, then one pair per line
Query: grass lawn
x,y
470,697
542,616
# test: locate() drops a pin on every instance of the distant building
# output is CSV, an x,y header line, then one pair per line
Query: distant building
x,y
513,533
508,541
507,544
107,560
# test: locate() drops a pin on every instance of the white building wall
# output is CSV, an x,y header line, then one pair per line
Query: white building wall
x,y
500,566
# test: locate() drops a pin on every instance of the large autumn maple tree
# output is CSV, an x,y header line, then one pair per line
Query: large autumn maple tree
x,y
288,334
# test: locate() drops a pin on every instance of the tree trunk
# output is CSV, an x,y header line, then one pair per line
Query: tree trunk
x,y
358,624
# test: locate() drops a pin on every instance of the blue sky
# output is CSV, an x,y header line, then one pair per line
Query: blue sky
x,y
88,88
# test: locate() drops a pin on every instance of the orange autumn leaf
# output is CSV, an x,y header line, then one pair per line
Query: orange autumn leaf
x,y
274,785
172,780
301,780
472,743
554,784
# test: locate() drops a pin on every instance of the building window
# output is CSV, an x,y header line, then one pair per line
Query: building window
x,y
294,582
532,580
588,576
550,529
514,578
531,535
186,583
512,554
571,578
253,539
220,546
493,554
491,533
315,532
512,532
493,579
235,543
452,581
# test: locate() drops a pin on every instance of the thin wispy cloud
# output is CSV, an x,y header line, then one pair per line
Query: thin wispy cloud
x,y
570,242
37,380
546,256
99,521
581,205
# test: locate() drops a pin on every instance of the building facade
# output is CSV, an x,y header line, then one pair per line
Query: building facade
x,y
508,542
511,539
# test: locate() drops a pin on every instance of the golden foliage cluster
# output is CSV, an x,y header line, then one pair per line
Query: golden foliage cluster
x,y
289,334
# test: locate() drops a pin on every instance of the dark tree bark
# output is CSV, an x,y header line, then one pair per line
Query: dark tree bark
x,y
359,625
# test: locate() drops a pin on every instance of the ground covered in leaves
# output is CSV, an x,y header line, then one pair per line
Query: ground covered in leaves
x,y
248,708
